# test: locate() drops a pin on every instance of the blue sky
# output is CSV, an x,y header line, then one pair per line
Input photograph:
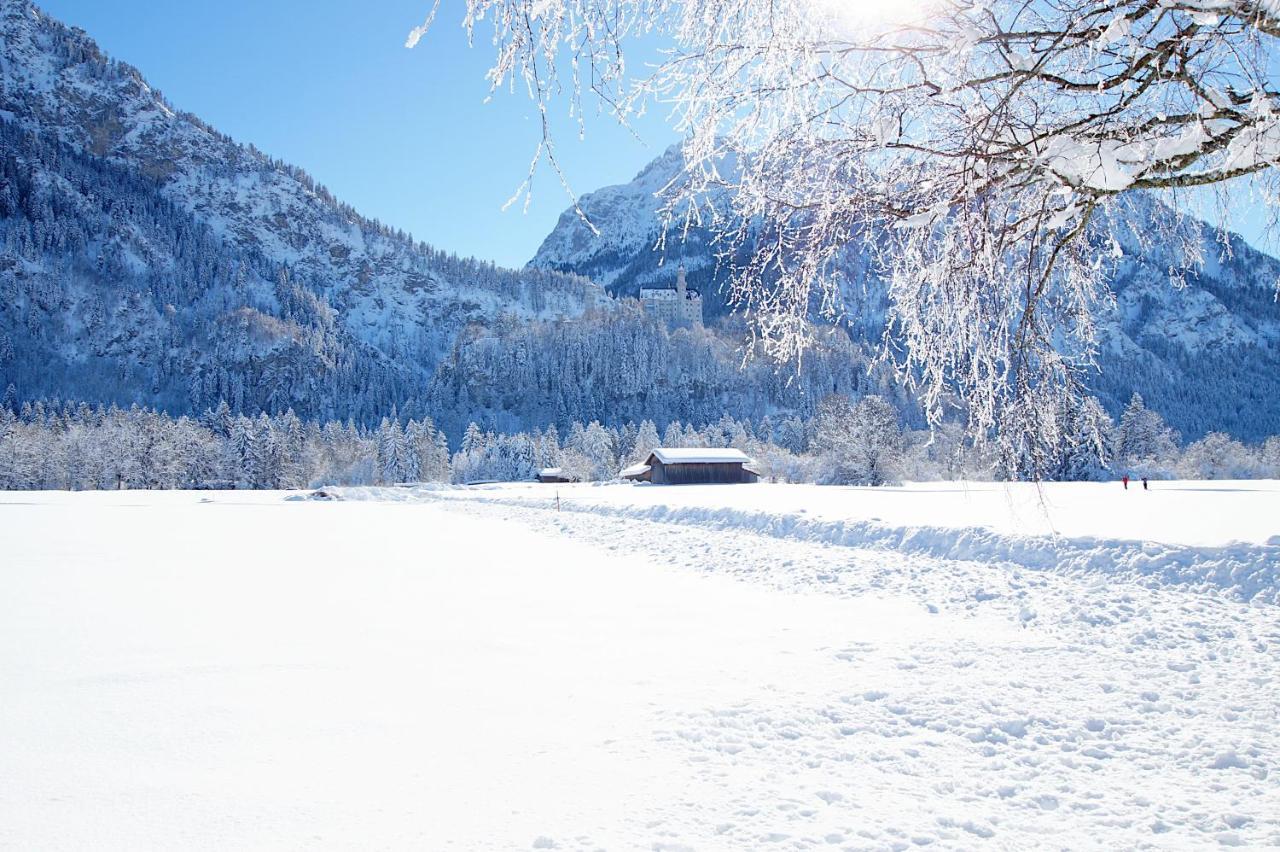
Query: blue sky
x,y
402,135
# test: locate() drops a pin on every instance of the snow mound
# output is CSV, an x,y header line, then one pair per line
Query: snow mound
x,y
391,493
1248,572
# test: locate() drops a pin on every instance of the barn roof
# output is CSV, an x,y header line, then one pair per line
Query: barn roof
x,y
634,470
700,455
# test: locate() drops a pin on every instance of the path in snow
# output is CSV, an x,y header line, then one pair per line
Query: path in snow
x,y
1113,708
252,672
1185,513
1016,523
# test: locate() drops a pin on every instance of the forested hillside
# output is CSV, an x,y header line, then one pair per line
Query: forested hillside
x,y
620,366
146,258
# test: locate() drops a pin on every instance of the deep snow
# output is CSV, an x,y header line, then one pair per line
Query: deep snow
x,y
1213,535
1171,512
468,668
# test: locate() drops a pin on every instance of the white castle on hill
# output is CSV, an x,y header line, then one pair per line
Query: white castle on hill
x,y
678,308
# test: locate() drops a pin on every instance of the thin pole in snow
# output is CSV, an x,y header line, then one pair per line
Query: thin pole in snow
x,y
557,499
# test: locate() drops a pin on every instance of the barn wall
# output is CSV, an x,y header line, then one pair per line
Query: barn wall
x,y
697,474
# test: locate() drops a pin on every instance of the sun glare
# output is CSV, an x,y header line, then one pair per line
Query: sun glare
x,y
861,15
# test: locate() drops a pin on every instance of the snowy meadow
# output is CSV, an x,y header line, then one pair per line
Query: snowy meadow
x,y
950,289
706,667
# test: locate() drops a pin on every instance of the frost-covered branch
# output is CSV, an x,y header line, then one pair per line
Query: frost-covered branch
x,y
974,154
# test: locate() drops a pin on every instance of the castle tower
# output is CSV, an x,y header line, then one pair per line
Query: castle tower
x,y
677,307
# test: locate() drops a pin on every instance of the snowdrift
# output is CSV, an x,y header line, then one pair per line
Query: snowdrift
x,y
1245,571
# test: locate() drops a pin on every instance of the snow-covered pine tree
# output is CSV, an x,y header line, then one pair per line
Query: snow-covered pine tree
x,y
1086,431
391,452
292,441
547,444
439,469
1142,444
268,466
626,440
792,434
595,444
420,444
240,455
646,442
472,439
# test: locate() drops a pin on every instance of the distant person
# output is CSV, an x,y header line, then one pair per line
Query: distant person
x,y
1125,480
1144,483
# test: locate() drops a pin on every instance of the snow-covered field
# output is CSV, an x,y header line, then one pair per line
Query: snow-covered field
x,y
1178,512
734,667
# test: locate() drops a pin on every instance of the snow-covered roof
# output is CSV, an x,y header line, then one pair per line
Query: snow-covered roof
x,y
634,470
551,471
700,455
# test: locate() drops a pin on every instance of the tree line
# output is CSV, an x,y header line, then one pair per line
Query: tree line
x,y
75,446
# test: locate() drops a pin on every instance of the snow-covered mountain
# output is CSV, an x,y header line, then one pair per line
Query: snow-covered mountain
x,y
620,253
1206,354
145,257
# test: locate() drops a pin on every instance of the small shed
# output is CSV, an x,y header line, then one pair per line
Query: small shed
x,y
555,474
691,465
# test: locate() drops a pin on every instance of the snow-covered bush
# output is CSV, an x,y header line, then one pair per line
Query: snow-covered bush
x,y
1219,456
1269,457
778,464
592,454
944,453
859,444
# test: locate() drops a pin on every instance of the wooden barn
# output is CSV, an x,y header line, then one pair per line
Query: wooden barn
x,y
694,465
555,474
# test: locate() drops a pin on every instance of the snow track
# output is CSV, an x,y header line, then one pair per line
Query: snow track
x,y
1246,571
1077,709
